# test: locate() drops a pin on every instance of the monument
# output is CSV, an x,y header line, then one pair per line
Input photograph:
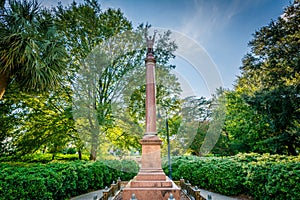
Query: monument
x,y
151,183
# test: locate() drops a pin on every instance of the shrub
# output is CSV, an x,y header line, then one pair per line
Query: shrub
x,y
274,180
217,174
125,169
261,176
58,180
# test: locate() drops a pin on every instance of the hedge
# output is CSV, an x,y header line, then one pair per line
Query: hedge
x,y
260,176
43,158
60,180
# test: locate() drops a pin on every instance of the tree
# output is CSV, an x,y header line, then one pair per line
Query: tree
x,y
198,109
42,122
83,27
9,120
2,3
115,52
216,114
270,75
105,85
31,53
105,53
244,126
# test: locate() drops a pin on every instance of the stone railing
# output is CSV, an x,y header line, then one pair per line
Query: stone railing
x,y
111,191
190,191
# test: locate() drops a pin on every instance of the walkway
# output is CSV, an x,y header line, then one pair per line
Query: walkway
x,y
215,196
88,196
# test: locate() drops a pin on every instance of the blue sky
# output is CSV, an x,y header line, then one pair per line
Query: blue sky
x,y
221,28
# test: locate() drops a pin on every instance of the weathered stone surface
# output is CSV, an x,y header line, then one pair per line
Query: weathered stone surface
x,y
151,183
150,194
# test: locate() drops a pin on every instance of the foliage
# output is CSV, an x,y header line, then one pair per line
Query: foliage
x,y
269,83
197,113
40,122
83,26
262,176
60,180
42,158
104,58
45,122
207,117
31,51
34,121
125,169
217,174
244,126
271,176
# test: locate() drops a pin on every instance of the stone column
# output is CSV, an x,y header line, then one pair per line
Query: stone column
x,y
151,144
151,183
150,95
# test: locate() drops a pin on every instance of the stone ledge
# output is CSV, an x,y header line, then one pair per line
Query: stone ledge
x,y
151,177
151,184
150,193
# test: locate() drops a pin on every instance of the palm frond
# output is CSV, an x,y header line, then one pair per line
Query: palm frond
x,y
30,49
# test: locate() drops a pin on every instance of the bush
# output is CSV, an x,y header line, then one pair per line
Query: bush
x,y
58,180
71,150
125,169
43,158
20,182
274,180
260,176
217,174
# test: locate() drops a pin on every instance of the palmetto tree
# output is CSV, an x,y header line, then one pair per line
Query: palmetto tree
x,y
2,2
31,53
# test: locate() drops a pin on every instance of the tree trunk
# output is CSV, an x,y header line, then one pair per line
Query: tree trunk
x,y
292,150
94,146
44,149
4,77
93,153
79,154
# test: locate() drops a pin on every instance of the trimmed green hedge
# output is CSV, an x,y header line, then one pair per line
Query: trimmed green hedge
x,y
60,180
260,176
43,158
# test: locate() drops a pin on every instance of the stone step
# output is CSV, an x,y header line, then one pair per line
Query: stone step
x,y
151,184
151,177
150,193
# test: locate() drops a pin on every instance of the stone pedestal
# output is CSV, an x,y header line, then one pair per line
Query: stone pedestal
x,y
151,183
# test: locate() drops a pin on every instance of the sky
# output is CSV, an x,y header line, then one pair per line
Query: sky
x,y
212,34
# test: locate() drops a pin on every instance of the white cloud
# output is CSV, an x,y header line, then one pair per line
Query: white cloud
x,y
206,17
200,66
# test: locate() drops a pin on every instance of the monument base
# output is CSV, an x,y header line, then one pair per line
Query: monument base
x,y
151,183
151,190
